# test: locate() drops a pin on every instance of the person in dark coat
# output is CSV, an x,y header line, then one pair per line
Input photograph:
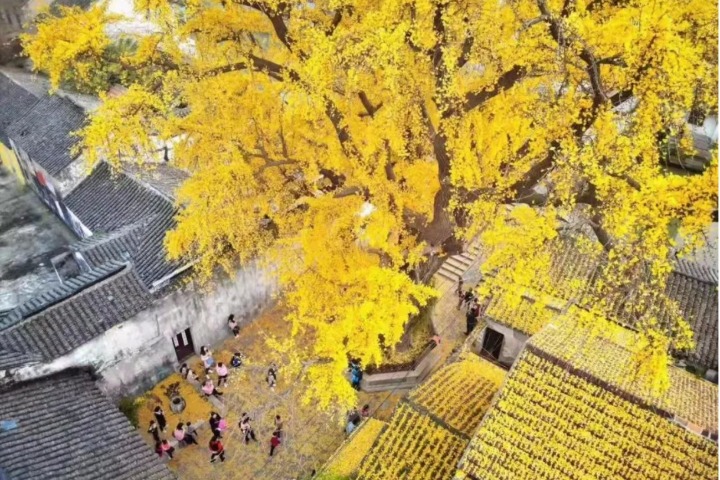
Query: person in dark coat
x,y
154,430
472,317
460,294
215,424
160,417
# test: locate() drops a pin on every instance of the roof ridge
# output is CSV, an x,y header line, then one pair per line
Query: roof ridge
x,y
696,270
70,288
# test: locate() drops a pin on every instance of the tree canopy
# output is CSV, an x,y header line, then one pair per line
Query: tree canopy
x,y
348,141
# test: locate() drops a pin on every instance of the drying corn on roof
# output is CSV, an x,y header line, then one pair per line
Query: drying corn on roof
x,y
427,433
566,413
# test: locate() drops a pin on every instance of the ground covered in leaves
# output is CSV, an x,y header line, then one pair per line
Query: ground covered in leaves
x,y
311,436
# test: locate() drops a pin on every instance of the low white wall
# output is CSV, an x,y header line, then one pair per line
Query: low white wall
x,y
136,354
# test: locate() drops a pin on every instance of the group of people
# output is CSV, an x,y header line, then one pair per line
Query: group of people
x,y
185,434
207,385
470,301
354,417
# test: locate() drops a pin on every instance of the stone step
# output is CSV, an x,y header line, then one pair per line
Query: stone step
x,y
454,277
467,256
458,262
449,267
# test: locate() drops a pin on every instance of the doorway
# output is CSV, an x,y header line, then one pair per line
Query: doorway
x,y
183,345
492,343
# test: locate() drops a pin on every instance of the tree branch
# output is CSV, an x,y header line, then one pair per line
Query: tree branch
x,y
275,17
369,107
337,18
341,129
272,69
506,81
615,60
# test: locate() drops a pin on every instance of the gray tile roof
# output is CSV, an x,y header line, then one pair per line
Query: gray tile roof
x,y
703,272
58,294
131,220
15,102
160,176
62,428
56,326
698,301
45,132
150,259
120,245
12,359
106,201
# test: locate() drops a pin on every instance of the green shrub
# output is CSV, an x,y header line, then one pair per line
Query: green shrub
x,y
129,407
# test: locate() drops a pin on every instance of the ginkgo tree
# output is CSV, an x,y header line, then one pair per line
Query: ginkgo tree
x,y
351,141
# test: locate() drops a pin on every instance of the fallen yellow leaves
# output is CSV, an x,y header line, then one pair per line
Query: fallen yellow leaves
x,y
196,407
348,459
427,434
461,392
550,423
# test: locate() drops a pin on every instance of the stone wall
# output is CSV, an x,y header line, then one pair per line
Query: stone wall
x,y
133,356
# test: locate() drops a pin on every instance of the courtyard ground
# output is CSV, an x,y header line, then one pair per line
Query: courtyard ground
x,y
311,436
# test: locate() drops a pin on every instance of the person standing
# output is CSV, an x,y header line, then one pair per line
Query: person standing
x,y
365,412
356,374
274,442
206,357
167,449
222,372
158,448
272,376
216,449
472,317
233,326
246,428
154,430
278,424
209,389
460,293
468,298
160,417
215,424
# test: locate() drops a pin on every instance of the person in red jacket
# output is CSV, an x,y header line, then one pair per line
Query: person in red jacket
x,y
274,442
216,449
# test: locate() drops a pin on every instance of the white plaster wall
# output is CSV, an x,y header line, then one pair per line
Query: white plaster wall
x,y
710,127
513,342
136,354
71,176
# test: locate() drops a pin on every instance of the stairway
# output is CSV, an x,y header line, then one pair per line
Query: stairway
x,y
454,267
